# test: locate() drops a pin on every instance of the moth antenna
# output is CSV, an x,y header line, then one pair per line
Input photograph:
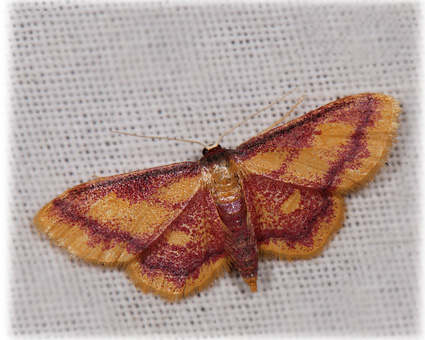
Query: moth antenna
x,y
248,118
280,120
159,137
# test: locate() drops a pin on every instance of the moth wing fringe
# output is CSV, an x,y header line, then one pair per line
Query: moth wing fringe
x,y
392,137
67,243
218,272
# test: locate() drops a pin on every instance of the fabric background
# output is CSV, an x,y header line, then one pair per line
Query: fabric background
x,y
192,70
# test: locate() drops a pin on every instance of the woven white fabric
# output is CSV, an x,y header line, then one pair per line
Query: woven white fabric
x,y
192,70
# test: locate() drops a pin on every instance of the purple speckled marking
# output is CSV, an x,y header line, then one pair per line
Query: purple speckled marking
x,y
205,245
297,227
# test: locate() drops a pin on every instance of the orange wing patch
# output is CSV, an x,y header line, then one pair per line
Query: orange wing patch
x,y
110,220
291,222
188,256
337,147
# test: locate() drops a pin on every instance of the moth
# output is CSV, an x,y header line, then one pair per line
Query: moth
x,y
176,228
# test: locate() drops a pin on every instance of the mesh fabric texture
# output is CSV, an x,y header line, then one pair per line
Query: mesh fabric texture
x,y
193,70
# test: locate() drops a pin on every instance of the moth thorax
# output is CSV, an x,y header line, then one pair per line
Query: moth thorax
x,y
224,183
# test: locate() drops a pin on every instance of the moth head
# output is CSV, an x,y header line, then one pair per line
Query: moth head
x,y
210,148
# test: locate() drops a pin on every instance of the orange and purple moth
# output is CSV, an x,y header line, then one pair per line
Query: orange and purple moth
x,y
175,228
